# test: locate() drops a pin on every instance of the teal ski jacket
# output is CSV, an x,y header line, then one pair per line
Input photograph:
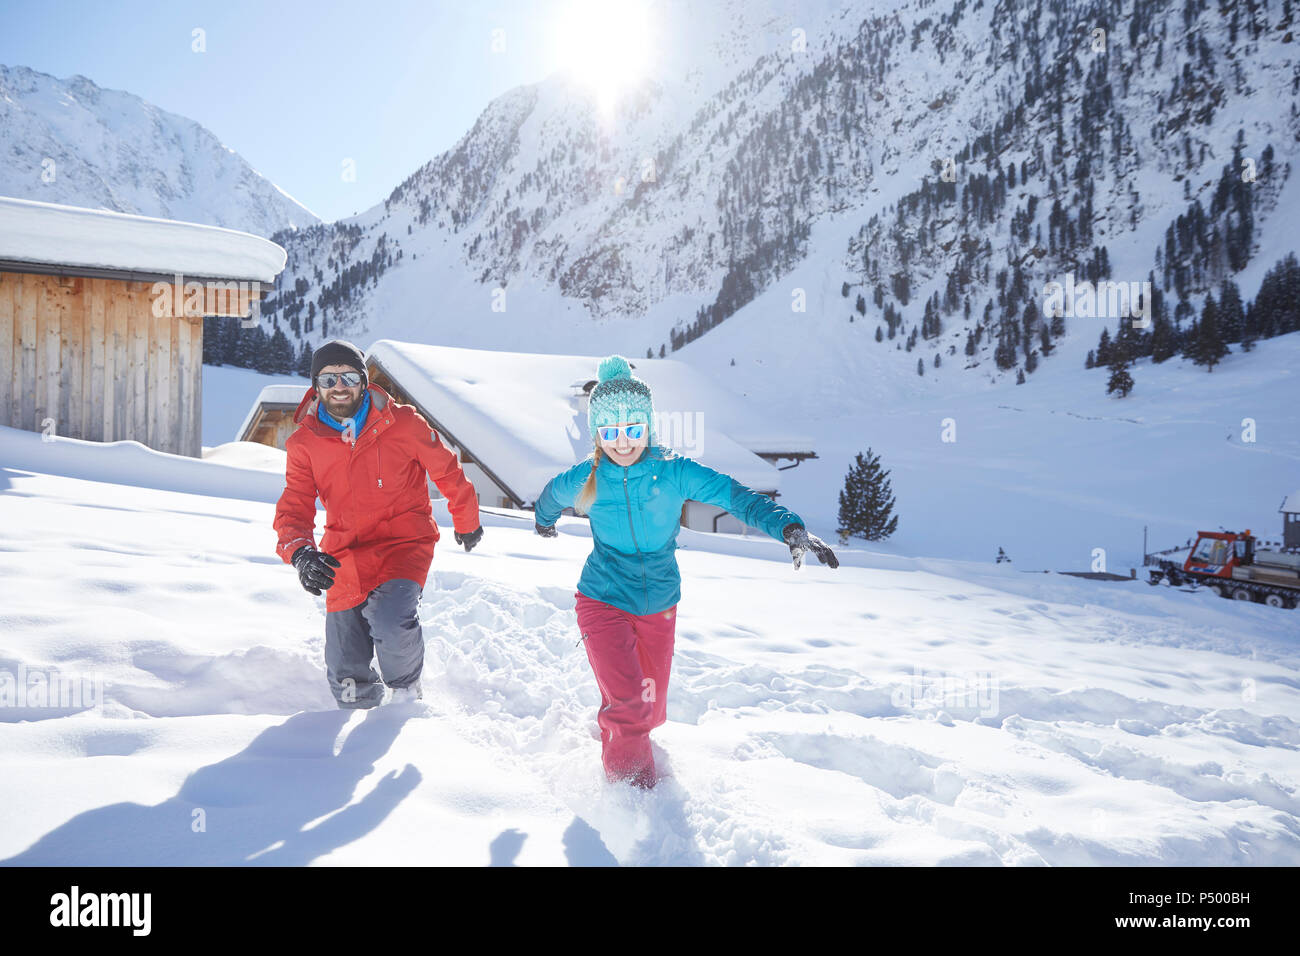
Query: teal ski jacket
x,y
635,519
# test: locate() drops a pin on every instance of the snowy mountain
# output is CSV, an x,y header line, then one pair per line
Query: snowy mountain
x,y
69,141
917,167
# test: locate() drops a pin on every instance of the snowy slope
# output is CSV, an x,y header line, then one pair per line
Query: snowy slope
x,y
70,141
1049,470
896,710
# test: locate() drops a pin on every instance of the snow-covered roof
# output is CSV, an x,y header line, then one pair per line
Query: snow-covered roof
x,y
1291,505
44,233
523,415
678,386
271,395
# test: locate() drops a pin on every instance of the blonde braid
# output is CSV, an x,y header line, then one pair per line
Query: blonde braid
x,y
587,494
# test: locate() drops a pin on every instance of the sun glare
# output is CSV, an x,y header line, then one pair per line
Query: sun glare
x,y
605,46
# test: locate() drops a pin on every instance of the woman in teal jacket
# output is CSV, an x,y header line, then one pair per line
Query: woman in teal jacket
x,y
633,490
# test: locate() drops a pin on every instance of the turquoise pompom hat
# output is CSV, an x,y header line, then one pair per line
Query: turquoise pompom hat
x,y
619,397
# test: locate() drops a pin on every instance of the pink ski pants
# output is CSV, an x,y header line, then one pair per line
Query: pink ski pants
x,y
631,656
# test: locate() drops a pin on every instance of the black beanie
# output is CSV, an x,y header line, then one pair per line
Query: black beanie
x,y
338,352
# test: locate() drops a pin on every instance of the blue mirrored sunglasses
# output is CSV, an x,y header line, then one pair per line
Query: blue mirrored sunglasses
x,y
327,379
633,432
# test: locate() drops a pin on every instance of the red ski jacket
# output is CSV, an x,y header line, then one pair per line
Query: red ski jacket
x,y
378,517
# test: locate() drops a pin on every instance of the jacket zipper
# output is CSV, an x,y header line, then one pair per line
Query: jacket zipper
x,y
352,452
645,586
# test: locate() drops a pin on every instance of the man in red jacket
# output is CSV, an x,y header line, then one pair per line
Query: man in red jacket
x,y
366,457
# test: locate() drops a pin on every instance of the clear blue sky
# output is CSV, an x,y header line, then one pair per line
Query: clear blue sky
x,y
297,87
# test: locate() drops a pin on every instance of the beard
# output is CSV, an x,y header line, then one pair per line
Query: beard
x,y
344,409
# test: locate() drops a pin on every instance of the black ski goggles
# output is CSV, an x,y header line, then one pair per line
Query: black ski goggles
x,y
330,379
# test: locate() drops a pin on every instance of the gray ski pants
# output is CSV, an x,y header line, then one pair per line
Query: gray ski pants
x,y
385,625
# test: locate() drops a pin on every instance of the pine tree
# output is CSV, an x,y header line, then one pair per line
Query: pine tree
x,y
1057,324
920,366
1232,316
279,353
261,357
1164,343
1005,354
213,354
1103,347
1030,322
1127,344
304,361
867,502
1249,329
1207,347
1120,379
228,339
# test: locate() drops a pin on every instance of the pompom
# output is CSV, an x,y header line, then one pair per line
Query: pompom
x,y
613,367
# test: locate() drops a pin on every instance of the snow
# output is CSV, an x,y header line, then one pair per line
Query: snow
x,y
897,710
1049,470
43,233
519,413
1291,504
919,705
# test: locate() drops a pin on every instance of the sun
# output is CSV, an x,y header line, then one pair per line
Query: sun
x,y
604,45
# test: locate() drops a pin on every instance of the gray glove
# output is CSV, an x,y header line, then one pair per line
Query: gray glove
x,y
545,530
801,542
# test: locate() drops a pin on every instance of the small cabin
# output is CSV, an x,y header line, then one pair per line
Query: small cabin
x,y
1291,520
270,420
101,319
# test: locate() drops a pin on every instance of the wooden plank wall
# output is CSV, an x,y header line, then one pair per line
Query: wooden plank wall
x,y
89,357
273,426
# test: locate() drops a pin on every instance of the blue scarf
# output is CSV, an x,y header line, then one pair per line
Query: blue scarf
x,y
359,417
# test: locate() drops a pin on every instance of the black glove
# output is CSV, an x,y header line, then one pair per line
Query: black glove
x,y
545,530
471,539
315,568
801,542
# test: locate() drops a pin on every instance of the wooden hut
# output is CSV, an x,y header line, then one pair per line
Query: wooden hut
x,y
270,420
101,319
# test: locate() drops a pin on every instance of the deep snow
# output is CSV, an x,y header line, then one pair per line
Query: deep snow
x,y
896,710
